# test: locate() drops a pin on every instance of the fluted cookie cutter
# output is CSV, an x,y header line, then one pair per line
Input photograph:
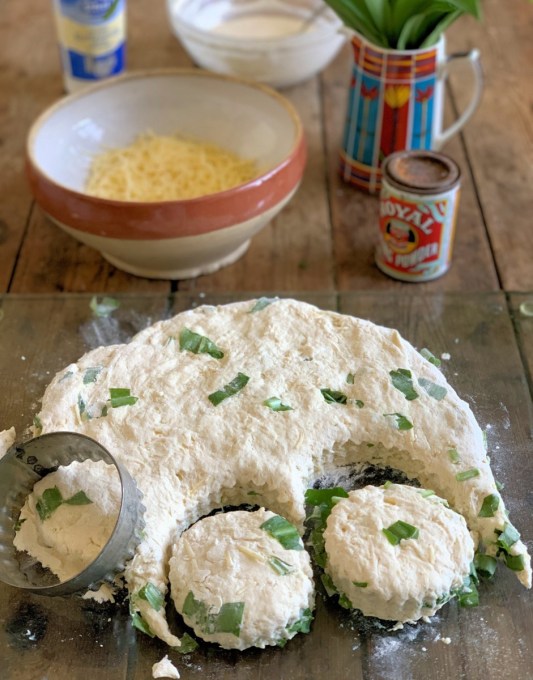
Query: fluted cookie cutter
x,y
25,464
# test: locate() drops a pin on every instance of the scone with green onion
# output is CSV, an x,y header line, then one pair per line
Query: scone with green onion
x,y
243,579
397,552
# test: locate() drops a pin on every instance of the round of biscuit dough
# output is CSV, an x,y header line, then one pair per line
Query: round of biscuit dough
x,y
237,585
401,582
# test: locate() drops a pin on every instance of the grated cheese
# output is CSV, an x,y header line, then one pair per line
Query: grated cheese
x,y
163,168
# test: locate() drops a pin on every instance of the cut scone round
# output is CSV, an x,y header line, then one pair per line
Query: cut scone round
x,y
397,552
243,579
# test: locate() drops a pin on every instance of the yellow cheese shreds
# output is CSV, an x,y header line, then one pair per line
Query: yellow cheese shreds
x,y
164,168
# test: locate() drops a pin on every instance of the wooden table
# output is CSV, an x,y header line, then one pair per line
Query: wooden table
x,y
324,239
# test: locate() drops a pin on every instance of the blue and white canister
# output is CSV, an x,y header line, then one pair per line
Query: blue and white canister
x,y
92,40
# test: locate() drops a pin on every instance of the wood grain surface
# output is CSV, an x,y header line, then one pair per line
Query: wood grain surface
x,y
324,239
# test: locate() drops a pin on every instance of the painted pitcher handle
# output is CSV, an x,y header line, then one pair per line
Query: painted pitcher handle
x,y
473,58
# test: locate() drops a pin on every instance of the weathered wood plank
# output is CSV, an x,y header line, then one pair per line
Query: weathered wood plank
x,y
499,139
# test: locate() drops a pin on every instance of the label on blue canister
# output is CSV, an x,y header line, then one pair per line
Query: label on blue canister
x,y
92,37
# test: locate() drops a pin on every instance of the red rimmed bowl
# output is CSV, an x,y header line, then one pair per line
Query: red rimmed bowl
x,y
167,239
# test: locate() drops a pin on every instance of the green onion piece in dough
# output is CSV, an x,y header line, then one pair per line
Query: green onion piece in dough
x,y
402,380
334,396
508,537
121,396
280,566
515,562
139,623
261,304
199,344
429,356
350,378
229,618
188,644
79,498
229,390
152,595
400,531
319,496
303,624
275,404
49,502
402,422
360,584
284,532
91,374
454,456
467,474
489,506
436,391
485,564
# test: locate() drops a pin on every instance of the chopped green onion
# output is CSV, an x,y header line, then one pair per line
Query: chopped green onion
x,y
345,602
281,643
360,584
489,506
499,486
37,424
328,584
350,378
454,456
402,381
468,597
188,644
229,390
303,624
79,498
429,356
49,502
436,391
91,374
334,396
467,474
18,523
400,531
275,404
152,595
229,618
67,375
261,304
426,493
319,496
82,408
121,396
52,498
280,566
515,562
199,344
485,564
105,307
139,623
508,537
284,532
388,484
359,403
402,422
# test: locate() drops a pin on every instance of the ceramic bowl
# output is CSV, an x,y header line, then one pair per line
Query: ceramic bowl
x,y
266,40
178,238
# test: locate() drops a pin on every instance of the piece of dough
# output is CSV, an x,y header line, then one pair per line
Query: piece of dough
x,y
410,579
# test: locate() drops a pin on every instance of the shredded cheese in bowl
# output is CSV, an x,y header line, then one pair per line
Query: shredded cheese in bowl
x,y
165,168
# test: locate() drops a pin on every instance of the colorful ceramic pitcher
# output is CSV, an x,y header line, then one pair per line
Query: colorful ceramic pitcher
x,y
396,103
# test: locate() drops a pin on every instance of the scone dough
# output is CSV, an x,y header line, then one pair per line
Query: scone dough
x,y
230,558
189,456
400,582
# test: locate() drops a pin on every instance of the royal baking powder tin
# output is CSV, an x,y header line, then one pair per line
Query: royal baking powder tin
x,y
418,207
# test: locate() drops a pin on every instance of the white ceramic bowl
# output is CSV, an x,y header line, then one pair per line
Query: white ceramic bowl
x,y
243,50
167,239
